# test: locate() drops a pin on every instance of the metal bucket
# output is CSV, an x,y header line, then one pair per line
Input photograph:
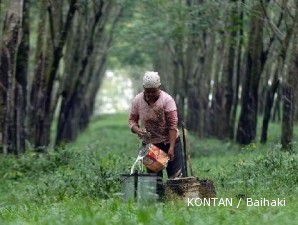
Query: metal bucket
x,y
139,186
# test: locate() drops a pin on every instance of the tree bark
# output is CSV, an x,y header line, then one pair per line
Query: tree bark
x,y
21,81
239,63
37,85
216,120
67,126
11,40
49,64
288,94
228,72
276,117
75,108
268,105
247,125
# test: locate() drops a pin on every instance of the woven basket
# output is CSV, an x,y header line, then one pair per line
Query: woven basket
x,y
190,187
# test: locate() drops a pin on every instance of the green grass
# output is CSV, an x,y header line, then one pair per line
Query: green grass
x,y
78,183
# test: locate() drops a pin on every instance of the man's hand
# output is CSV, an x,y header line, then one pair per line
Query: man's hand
x,y
142,133
171,153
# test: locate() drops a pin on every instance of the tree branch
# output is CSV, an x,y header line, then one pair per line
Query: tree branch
x,y
58,53
51,20
277,33
273,37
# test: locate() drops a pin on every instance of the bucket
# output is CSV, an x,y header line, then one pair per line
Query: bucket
x,y
139,186
155,159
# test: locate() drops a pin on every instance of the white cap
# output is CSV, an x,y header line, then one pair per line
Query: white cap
x,y
151,79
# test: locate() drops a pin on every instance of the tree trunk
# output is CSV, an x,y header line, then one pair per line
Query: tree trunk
x,y
249,107
11,40
21,82
76,102
273,89
217,114
194,68
228,73
67,125
41,123
239,64
268,105
37,85
288,95
276,117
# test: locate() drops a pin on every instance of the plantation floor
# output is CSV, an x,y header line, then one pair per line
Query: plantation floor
x,y
79,182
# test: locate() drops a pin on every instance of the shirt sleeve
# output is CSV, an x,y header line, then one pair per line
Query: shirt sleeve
x,y
172,119
170,104
171,113
134,114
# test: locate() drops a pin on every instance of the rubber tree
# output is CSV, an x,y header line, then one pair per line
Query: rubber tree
x,y
247,125
289,84
11,39
76,103
43,97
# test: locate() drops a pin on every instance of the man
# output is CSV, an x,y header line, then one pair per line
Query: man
x,y
157,112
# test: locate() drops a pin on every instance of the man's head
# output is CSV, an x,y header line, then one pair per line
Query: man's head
x,y
151,84
151,79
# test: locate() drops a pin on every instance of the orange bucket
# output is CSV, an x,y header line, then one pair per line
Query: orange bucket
x,y
155,158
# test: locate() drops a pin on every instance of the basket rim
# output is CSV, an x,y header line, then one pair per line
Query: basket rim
x,y
139,174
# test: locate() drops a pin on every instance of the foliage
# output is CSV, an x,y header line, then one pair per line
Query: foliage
x,y
147,25
79,182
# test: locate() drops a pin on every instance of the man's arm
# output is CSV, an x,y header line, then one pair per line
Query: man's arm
x,y
134,116
172,120
134,126
134,122
173,135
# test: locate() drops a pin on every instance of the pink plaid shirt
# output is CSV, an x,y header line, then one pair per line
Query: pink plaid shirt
x,y
157,119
